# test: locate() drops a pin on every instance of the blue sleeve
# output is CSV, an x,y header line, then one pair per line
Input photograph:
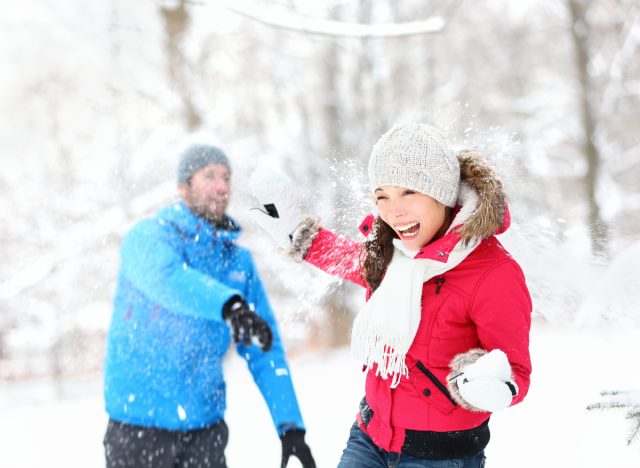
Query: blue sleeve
x,y
153,263
270,370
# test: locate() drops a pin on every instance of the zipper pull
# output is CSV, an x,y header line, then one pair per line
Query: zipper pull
x,y
439,283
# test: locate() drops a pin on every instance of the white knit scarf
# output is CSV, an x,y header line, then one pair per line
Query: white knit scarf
x,y
386,326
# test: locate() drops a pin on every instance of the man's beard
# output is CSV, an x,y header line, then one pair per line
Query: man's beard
x,y
213,216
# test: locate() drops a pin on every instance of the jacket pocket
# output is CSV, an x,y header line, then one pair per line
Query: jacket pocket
x,y
431,389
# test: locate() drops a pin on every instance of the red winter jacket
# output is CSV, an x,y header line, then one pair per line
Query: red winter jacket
x,y
481,303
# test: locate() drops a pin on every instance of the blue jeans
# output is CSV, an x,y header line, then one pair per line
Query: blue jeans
x,y
361,452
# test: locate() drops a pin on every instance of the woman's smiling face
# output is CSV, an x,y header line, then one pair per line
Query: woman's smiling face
x,y
415,217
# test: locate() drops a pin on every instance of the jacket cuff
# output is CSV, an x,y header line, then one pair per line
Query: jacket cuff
x,y
302,238
288,427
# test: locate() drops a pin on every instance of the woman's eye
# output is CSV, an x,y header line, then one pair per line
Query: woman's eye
x,y
380,197
408,192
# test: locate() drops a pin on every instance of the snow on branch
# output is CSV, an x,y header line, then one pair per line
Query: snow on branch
x,y
323,27
627,400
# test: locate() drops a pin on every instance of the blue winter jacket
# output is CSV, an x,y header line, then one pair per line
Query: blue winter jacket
x,y
167,338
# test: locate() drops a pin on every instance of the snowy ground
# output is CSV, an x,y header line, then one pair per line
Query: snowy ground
x,y
44,426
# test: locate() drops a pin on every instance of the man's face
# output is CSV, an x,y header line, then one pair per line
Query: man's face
x,y
208,191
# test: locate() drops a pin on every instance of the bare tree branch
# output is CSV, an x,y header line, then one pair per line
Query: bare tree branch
x,y
321,27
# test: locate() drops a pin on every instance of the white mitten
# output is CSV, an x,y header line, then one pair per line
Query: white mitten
x,y
277,211
487,384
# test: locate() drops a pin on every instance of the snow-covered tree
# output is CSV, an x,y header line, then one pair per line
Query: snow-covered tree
x,y
628,401
106,92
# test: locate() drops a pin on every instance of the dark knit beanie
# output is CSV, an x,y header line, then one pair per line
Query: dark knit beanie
x,y
198,156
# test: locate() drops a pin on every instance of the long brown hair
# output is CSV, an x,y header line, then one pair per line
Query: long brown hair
x,y
378,249
377,252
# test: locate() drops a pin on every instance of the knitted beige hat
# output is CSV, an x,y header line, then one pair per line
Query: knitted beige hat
x,y
418,157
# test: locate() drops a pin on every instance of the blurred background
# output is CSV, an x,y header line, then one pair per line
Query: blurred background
x,y
98,98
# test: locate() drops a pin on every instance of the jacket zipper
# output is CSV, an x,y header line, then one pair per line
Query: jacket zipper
x,y
436,382
439,283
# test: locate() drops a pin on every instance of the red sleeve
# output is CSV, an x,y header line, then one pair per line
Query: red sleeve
x,y
337,255
501,310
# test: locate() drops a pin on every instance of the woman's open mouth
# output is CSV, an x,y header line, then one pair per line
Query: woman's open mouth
x,y
408,230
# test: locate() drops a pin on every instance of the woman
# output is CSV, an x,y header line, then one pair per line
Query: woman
x,y
444,335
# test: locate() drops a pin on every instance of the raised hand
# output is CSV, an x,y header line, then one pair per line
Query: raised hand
x,y
277,211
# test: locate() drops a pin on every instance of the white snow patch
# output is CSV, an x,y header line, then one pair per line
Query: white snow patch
x,y
182,414
552,427
613,298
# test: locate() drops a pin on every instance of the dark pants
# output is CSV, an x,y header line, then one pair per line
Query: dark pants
x,y
129,446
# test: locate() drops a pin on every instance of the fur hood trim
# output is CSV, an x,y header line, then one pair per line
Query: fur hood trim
x,y
489,217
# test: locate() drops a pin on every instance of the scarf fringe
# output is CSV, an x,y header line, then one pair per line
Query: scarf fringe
x,y
380,351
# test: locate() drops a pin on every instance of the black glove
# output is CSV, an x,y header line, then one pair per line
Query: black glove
x,y
246,324
293,444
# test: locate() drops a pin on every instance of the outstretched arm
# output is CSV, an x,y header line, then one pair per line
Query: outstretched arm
x,y
277,212
337,255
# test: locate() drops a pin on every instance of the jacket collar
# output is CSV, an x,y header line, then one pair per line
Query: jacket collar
x,y
466,211
441,248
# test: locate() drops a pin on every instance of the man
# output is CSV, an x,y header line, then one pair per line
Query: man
x,y
184,290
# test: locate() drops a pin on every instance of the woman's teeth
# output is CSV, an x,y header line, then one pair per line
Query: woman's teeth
x,y
408,230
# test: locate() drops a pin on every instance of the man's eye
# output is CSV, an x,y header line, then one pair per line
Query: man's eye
x,y
380,197
409,192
